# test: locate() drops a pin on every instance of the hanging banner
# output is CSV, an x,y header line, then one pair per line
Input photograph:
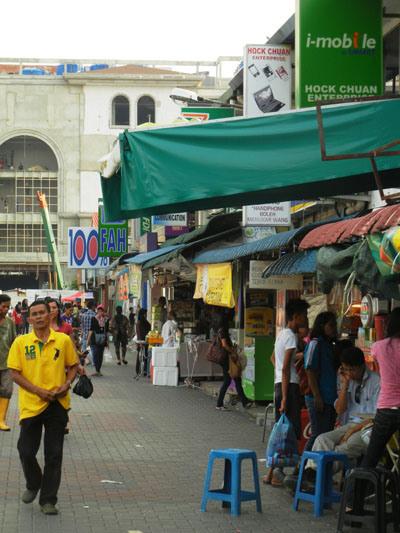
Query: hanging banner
x,y
214,284
83,249
259,321
267,214
135,281
123,286
113,236
267,75
347,37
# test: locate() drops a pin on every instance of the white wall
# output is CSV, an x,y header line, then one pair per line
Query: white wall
x,y
90,192
98,106
376,199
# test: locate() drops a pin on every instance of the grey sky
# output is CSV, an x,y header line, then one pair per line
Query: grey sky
x,y
132,29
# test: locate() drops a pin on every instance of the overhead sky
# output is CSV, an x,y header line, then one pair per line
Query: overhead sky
x,y
137,29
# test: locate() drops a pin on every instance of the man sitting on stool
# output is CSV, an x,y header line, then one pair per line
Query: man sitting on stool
x,y
356,408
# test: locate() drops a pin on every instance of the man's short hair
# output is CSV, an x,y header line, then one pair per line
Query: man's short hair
x,y
37,302
352,357
296,306
90,304
4,298
68,305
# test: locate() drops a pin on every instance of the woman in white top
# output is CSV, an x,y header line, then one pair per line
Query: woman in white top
x,y
168,330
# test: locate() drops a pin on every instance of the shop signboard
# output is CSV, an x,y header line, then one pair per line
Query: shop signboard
x,y
207,113
135,281
113,236
267,77
145,225
267,214
123,285
345,35
214,284
173,219
255,233
175,231
83,248
256,281
259,321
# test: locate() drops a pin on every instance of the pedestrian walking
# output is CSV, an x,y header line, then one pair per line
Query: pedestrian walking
x,y
231,354
142,329
7,336
97,338
119,327
44,364
24,314
17,318
85,323
56,322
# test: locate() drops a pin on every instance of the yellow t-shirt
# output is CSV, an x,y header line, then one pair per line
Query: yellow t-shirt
x,y
44,365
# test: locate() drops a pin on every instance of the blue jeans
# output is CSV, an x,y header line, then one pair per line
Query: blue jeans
x,y
321,421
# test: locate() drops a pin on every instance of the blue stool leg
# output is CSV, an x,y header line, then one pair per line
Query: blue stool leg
x,y
236,486
319,489
256,484
227,481
207,482
298,486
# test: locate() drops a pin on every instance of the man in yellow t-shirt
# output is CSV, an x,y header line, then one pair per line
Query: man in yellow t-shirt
x,y
44,364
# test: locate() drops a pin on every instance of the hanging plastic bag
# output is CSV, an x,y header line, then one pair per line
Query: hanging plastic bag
x,y
83,387
282,449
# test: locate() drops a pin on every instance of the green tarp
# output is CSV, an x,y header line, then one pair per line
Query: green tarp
x,y
243,161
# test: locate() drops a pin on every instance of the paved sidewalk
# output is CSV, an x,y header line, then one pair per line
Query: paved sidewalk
x,y
154,441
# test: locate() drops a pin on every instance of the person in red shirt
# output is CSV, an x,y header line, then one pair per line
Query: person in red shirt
x,y
56,322
17,318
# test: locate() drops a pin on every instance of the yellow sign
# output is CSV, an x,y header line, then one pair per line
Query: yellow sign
x,y
214,284
259,321
135,280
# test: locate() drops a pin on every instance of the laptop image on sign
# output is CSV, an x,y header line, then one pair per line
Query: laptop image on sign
x,y
265,100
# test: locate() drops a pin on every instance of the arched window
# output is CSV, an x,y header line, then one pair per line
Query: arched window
x,y
120,111
146,110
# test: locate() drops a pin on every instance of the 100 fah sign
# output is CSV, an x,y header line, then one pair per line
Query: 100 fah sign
x,y
338,50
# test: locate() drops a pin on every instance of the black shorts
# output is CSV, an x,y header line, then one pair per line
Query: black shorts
x,y
293,406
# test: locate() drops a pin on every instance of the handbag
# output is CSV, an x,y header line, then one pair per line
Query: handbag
x,y
83,387
235,368
216,353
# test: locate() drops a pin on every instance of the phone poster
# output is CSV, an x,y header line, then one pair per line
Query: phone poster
x,y
267,78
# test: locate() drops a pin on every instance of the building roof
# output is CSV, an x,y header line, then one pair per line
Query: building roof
x,y
292,264
132,70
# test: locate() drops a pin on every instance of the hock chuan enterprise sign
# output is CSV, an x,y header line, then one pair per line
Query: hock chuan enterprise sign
x,y
338,50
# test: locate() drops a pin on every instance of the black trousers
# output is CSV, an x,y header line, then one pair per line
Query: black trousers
x,y
225,384
98,353
53,419
120,342
293,406
386,422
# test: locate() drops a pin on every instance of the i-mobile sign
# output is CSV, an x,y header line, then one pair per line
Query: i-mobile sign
x,y
267,214
83,249
113,236
267,75
338,50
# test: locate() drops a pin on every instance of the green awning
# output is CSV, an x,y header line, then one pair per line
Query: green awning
x,y
245,161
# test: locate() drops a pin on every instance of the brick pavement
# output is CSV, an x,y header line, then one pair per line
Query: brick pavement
x,y
155,441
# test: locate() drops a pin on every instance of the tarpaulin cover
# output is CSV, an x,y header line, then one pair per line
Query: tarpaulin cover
x,y
245,161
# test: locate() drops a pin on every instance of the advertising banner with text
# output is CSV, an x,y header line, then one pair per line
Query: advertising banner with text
x,y
267,77
338,50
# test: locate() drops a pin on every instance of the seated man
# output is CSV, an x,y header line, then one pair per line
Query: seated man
x,y
356,408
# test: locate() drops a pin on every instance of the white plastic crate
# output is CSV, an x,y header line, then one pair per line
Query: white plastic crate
x,y
165,375
164,357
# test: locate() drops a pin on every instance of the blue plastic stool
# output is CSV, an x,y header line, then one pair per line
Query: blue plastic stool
x,y
231,494
324,495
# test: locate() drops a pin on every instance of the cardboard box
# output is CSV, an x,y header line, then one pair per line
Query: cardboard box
x,y
165,376
164,357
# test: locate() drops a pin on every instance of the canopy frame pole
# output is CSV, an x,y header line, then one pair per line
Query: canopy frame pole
x,y
381,151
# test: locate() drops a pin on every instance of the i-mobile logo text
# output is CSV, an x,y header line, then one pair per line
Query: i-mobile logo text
x,y
357,40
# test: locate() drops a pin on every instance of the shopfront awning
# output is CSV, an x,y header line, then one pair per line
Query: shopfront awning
x,y
246,161
140,259
345,230
273,242
292,264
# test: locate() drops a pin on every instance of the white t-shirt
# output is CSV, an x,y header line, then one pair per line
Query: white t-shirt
x,y
286,340
168,333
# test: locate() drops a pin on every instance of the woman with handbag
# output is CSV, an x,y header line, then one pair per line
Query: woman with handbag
x,y
231,368
97,338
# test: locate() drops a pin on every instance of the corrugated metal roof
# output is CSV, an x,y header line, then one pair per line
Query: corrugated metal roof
x,y
142,258
274,242
345,230
290,264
